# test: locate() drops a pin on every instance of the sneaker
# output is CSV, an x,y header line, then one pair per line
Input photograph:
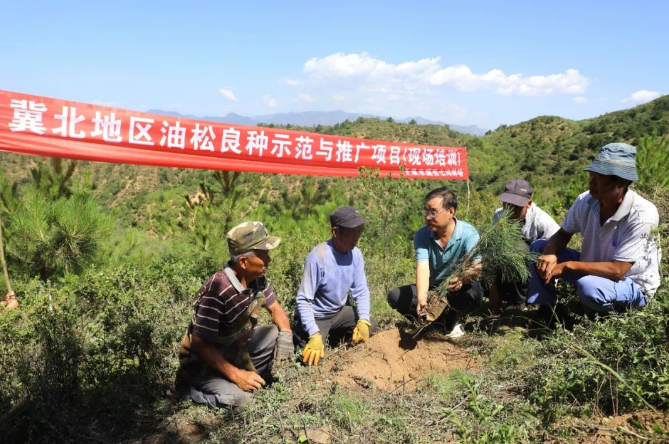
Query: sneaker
x,y
457,332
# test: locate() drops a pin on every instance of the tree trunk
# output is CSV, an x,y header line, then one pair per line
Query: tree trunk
x,y
4,263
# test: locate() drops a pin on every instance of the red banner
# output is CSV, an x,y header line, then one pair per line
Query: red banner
x,y
43,126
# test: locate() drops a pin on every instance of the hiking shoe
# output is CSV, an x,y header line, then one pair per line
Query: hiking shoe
x,y
457,332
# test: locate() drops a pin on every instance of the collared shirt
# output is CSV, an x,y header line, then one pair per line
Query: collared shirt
x,y
626,236
443,259
222,299
326,280
536,225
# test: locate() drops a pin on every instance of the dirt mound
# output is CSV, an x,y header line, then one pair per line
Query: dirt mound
x,y
389,360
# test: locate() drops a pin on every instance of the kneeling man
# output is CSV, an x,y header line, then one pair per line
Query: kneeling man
x,y
224,357
332,269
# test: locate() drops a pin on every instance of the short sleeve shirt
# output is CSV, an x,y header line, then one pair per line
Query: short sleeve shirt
x,y
537,224
627,236
222,299
442,260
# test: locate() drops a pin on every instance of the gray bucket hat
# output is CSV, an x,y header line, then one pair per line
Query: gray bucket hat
x,y
615,159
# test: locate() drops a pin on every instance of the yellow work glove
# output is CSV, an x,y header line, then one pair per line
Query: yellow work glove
x,y
314,350
361,331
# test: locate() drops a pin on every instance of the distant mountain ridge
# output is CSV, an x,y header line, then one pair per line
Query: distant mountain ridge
x,y
313,118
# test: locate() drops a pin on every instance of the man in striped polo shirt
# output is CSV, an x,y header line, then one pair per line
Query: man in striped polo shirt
x,y
224,357
618,266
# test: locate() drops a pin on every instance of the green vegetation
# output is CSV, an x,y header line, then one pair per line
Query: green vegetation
x,y
106,260
501,250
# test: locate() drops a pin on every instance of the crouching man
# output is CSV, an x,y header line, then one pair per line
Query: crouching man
x,y
618,265
535,224
224,357
439,245
332,269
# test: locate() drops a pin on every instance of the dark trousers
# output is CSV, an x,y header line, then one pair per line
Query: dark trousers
x,y
334,328
513,293
212,388
469,298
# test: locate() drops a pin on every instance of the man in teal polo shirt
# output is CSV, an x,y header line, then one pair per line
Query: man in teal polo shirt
x,y
439,245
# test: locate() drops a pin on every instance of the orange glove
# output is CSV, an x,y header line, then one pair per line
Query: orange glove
x,y
361,331
314,350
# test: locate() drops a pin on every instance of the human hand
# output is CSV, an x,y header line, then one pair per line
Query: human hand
x,y
420,308
455,285
10,301
314,350
248,381
545,265
284,348
361,331
557,272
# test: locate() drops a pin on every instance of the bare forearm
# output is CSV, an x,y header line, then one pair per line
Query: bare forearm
x,y
422,280
609,270
208,353
279,317
557,242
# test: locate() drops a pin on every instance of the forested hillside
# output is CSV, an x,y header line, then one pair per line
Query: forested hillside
x,y
106,260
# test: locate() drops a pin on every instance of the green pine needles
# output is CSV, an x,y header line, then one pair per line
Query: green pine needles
x,y
57,237
501,249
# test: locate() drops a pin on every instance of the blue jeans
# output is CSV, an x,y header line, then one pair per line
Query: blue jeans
x,y
597,294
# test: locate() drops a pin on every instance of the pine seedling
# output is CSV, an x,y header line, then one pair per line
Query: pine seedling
x,y
500,249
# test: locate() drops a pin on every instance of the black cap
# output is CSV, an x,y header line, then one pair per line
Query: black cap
x,y
517,192
347,217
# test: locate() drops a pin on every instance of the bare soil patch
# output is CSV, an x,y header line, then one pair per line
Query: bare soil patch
x,y
639,426
390,359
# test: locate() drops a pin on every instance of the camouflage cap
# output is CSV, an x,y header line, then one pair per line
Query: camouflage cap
x,y
249,236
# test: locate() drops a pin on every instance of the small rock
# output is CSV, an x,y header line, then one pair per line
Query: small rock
x,y
320,435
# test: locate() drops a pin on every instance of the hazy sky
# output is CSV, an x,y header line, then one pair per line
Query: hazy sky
x,y
483,63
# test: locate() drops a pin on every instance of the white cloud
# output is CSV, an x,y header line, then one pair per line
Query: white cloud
x,y
304,97
375,75
642,96
270,101
228,94
580,99
289,82
360,82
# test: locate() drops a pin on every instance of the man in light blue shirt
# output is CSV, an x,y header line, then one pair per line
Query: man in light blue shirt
x,y
439,245
332,269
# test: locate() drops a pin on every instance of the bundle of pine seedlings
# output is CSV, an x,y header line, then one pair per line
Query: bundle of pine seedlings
x,y
501,249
